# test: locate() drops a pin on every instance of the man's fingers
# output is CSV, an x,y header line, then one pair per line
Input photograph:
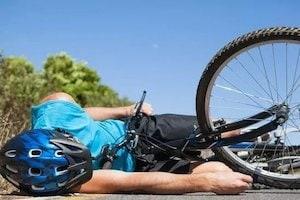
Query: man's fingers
x,y
147,109
245,186
244,177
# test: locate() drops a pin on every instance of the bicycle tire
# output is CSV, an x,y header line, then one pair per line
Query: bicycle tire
x,y
205,86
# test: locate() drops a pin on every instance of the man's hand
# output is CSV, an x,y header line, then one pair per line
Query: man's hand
x,y
228,182
146,109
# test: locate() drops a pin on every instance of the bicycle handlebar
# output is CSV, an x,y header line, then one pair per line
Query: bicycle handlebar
x,y
140,103
110,153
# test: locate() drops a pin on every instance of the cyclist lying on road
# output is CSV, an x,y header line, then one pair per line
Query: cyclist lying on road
x,y
96,126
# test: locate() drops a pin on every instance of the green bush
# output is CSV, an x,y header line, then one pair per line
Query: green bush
x,y
62,73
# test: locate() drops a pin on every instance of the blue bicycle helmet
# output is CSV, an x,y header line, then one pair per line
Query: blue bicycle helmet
x,y
45,162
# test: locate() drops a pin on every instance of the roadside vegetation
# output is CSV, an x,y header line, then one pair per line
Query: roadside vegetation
x,y
22,86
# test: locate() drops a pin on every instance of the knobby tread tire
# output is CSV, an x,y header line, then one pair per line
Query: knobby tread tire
x,y
242,42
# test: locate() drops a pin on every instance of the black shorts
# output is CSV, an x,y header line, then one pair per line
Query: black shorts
x,y
167,128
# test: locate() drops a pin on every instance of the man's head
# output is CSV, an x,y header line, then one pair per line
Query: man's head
x,y
45,162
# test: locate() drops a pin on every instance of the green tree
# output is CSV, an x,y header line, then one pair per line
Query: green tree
x,y
109,97
62,73
20,86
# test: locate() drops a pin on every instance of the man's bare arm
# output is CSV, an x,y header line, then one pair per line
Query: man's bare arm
x,y
113,181
102,113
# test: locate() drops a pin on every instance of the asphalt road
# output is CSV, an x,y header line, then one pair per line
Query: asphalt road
x,y
266,194
261,192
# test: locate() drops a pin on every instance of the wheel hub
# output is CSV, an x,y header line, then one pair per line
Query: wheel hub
x,y
282,114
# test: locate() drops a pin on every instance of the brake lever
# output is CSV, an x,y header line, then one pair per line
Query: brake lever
x,y
133,122
140,104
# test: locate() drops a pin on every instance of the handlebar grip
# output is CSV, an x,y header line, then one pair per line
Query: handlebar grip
x,y
107,165
140,103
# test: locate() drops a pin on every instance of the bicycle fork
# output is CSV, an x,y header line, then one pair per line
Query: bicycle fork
x,y
214,139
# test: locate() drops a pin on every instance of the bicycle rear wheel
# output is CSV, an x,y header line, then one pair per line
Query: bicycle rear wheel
x,y
247,76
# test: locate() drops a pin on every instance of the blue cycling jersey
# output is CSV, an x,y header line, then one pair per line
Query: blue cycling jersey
x,y
94,134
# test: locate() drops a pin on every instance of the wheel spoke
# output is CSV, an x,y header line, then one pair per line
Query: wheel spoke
x,y
265,72
275,73
294,75
252,152
286,70
237,102
250,119
253,78
262,72
294,88
250,96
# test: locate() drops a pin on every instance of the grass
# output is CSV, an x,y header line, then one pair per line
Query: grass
x,y
9,127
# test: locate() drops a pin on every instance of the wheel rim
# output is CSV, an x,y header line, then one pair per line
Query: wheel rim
x,y
260,75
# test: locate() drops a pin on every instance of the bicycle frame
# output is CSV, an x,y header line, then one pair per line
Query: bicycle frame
x,y
200,140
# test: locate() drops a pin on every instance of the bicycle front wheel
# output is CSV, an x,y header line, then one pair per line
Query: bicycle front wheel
x,y
248,76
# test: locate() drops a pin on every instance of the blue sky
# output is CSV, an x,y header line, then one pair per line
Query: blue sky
x,y
159,45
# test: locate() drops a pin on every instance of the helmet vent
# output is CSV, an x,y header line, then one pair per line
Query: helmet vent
x,y
61,184
36,187
61,170
58,153
11,168
34,172
73,147
11,153
67,135
34,153
12,181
